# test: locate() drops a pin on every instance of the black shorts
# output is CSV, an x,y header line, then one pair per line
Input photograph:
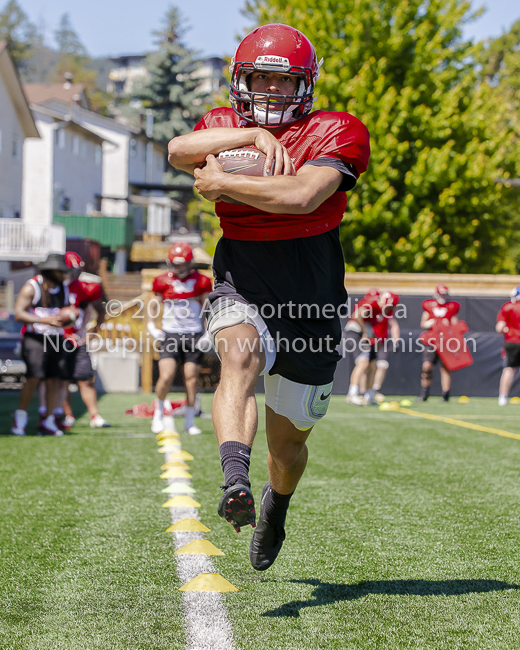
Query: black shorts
x,y
430,354
181,347
77,364
43,355
376,351
298,287
512,354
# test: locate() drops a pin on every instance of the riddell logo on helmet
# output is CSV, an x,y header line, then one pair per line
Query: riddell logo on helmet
x,y
279,62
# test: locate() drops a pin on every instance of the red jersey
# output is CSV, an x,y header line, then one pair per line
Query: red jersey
x,y
321,134
436,310
510,314
182,311
81,294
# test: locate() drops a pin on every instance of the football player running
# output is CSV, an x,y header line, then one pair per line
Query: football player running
x,y
279,267
508,324
438,307
183,291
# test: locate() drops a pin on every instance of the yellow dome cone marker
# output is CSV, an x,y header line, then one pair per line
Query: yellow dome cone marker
x,y
199,547
175,464
169,448
176,473
179,488
167,433
188,526
209,582
181,501
463,399
182,455
405,402
167,441
515,400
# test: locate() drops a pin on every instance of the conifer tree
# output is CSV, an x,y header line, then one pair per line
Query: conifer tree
x,y
19,33
172,90
429,201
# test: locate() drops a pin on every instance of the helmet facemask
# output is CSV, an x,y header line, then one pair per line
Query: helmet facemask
x,y
269,109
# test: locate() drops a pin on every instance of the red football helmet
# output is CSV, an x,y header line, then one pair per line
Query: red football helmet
x,y
73,260
273,48
390,299
441,293
179,259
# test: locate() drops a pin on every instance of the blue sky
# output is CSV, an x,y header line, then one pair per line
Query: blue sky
x,y
113,27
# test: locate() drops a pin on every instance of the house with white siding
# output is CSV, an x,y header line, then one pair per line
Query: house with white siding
x,y
16,124
63,171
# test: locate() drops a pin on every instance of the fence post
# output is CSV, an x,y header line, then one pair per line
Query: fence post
x,y
147,367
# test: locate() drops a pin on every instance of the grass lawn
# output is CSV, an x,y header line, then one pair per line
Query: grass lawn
x,y
402,534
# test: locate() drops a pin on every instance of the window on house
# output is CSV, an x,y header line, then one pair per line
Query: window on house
x,y
84,148
65,204
75,145
61,138
98,154
133,147
15,147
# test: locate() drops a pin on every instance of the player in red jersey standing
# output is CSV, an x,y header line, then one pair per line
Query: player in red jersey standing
x,y
359,328
508,324
279,267
78,366
371,323
438,307
385,328
183,291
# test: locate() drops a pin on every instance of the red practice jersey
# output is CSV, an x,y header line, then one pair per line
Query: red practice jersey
x,y
81,294
436,310
181,297
510,314
321,134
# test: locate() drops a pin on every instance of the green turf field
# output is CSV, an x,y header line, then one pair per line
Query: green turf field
x,y
403,534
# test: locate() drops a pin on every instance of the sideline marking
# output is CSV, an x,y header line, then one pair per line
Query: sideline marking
x,y
207,622
459,423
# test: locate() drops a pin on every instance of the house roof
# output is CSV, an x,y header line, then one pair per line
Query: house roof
x,y
14,88
39,93
68,120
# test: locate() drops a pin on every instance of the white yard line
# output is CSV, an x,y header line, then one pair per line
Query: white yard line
x,y
207,622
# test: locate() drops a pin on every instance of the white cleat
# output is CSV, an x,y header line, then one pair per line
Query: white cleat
x,y
157,422
356,399
193,430
502,400
20,419
97,422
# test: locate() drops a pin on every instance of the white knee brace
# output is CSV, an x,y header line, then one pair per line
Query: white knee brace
x,y
302,404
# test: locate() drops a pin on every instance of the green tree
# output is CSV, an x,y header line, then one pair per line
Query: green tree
x,y
428,201
73,59
18,31
171,89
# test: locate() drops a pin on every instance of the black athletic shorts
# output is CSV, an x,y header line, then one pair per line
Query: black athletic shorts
x,y
376,351
298,287
181,347
43,355
512,354
77,364
430,354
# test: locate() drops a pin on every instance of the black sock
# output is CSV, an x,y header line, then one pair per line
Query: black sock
x,y
446,395
235,458
425,391
275,506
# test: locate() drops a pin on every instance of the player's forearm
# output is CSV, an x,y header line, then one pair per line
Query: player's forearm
x,y
192,148
274,194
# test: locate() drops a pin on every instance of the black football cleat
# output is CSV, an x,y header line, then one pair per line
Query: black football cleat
x,y
237,506
266,541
